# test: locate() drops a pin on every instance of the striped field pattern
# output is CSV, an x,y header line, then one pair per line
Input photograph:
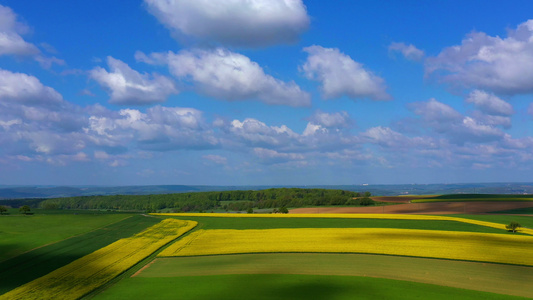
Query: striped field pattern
x,y
93,270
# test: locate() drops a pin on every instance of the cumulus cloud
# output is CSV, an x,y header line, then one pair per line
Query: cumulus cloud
x,y
501,65
128,86
158,129
331,120
340,75
274,157
457,128
223,74
234,22
256,133
489,103
23,88
410,52
11,41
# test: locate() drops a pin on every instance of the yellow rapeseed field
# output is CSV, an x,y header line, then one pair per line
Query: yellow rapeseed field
x,y
93,270
349,216
485,247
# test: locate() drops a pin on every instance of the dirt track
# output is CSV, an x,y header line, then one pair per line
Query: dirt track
x,y
477,207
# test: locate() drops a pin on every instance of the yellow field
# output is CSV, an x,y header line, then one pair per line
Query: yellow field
x,y
485,247
350,216
91,271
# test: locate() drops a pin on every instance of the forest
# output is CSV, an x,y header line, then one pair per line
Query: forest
x,y
210,201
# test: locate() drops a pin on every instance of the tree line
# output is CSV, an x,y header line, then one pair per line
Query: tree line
x,y
207,201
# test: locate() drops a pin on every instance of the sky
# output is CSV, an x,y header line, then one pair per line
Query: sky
x,y
265,92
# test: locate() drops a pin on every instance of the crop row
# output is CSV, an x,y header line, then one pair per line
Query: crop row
x,y
485,247
350,216
93,270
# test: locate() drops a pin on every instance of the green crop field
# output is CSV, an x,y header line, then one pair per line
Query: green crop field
x,y
22,233
458,274
40,261
285,286
474,197
318,222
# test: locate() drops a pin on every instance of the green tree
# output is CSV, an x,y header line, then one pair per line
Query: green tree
x,y
366,202
250,210
25,209
513,226
3,209
283,210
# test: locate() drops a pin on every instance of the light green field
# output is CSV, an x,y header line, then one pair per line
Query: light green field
x,y
495,278
285,286
23,233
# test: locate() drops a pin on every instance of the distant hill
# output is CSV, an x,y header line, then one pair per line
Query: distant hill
x,y
19,192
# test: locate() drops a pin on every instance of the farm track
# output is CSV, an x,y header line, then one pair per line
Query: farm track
x,y
438,208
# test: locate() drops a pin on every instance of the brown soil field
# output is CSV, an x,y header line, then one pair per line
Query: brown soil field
x,y
400,199
440,208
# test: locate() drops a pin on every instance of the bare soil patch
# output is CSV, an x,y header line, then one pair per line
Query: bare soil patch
x,y
400,199
441,208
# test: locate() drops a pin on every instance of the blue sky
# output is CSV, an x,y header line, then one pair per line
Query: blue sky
x,y
265,92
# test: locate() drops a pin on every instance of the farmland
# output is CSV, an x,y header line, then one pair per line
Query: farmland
x,y
95,269
282,256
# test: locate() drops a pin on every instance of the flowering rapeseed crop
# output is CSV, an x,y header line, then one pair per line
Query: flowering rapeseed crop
x,y
91,271
487,247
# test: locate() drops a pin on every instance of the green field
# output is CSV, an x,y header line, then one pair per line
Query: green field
x,y
269,223
285,286
525,211
40,261
22,233
474,197
459,274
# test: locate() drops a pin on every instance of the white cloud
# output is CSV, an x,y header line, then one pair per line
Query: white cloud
x,y
490,104
502,65
331,120
457,128
223,74
257,133
234,22
128,86
410,52
10,30
26,89
217,159
275,157
159,129
340,75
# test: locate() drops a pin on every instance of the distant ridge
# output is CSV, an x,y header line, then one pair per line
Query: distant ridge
x,y
19,192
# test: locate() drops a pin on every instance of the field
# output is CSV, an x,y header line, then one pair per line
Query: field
x,y
273,256
95,269
23,233
276,275
46,258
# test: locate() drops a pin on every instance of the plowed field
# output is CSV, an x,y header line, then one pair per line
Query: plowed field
x,y
421,208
